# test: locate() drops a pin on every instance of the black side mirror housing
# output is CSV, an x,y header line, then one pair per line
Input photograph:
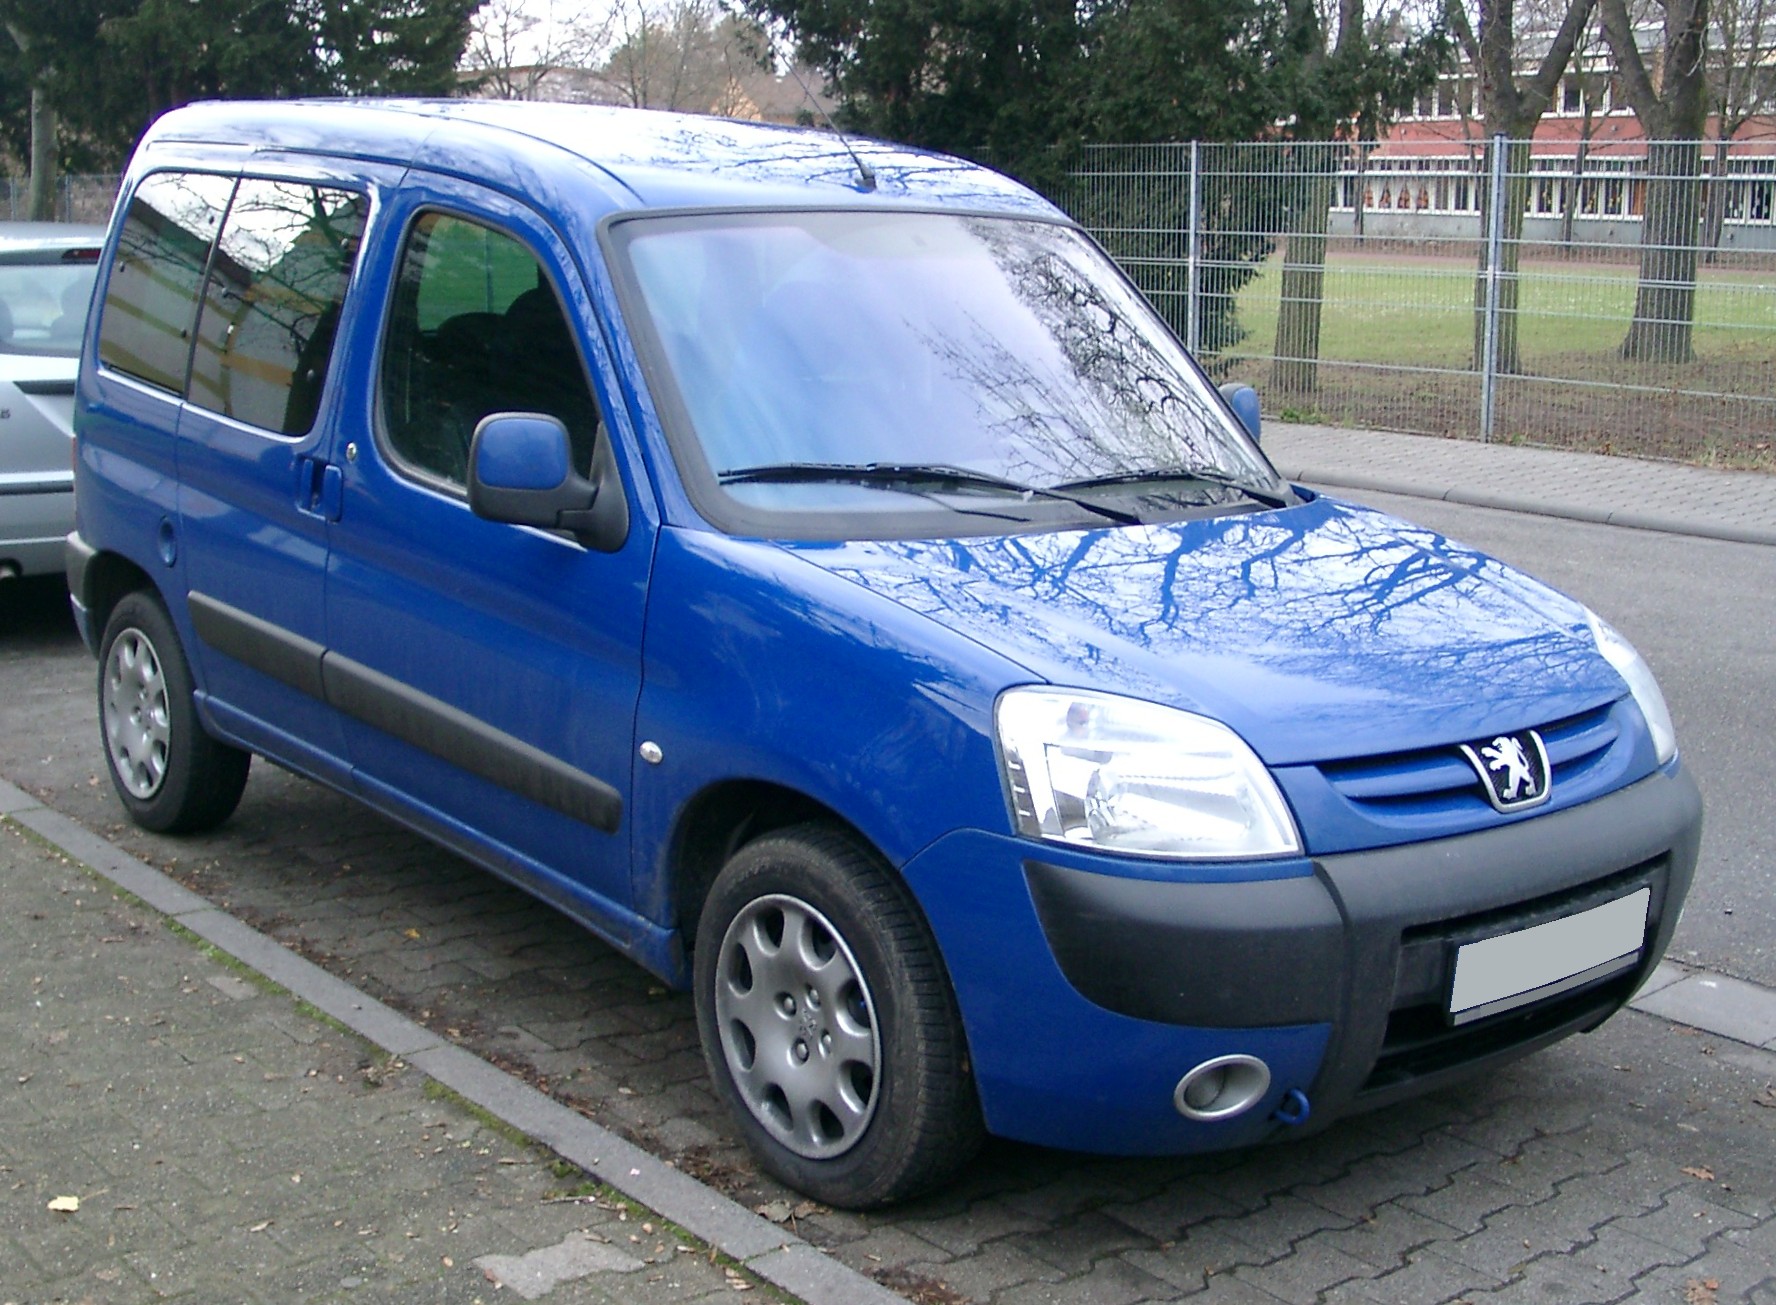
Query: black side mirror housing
x,y
521,471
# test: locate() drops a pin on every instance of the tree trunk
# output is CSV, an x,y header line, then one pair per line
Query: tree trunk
x,y
1297,353
1360,204
1509,360
1714,218
40,204
1569,202
1665,302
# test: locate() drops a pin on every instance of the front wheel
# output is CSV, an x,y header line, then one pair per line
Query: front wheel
x,y
828,1022
171,776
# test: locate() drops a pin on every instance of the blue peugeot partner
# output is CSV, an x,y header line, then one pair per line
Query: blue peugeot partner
x,y
811,566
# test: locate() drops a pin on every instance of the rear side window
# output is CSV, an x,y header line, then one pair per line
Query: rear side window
x,y
271,304
477,328
151,299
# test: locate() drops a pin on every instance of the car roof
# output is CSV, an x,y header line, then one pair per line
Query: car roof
x,y
635,158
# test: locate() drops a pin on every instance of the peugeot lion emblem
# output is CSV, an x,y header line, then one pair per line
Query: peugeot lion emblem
x,y
1513,769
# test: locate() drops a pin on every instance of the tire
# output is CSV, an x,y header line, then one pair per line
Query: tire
x,y
828,1022
170,775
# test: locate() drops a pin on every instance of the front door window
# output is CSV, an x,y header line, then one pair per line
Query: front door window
x,y
477,329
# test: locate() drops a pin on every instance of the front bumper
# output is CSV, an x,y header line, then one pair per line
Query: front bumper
x,y
1090,985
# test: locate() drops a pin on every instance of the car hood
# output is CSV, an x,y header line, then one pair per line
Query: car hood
x,y
1318,632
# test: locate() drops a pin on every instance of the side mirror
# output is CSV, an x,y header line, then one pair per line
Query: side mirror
x,y
521,471
1243,399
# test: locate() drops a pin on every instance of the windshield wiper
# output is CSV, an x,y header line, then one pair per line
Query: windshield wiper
x,y
915,476
1192,475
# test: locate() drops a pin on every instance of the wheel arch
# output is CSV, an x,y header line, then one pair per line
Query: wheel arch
x,y
104,581
723,818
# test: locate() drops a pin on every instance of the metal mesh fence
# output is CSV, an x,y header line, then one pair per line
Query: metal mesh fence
x,y
78,198
1616,299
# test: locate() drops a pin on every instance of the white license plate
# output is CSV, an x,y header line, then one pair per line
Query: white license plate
x,y
1513,969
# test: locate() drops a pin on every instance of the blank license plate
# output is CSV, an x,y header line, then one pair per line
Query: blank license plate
x,y
1513,969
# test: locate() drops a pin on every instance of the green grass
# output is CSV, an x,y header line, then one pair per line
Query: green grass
x,y
1419,312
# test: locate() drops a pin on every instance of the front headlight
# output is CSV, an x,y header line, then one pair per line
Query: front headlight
x,y
1632,667
1095,770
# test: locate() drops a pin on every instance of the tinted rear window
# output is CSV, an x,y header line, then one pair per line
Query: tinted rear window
x,y
151,298
271,305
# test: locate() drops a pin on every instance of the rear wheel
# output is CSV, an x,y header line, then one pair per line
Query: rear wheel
x,y
828,1022
169,774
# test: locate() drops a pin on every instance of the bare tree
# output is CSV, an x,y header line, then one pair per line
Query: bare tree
x,y
515,50
1358,69
40,196
679,54
1511,107
1590,80
500,50
1741,85
1673,112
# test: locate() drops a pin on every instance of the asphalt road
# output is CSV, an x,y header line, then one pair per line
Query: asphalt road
x,y
1638,1162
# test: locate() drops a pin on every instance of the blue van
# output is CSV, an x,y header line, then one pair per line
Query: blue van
x,y
811,566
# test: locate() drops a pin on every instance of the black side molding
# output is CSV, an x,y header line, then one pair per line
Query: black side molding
x,y
265,647
440,729
428,723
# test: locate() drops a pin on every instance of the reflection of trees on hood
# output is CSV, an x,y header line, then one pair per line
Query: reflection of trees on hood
x,y
1337,595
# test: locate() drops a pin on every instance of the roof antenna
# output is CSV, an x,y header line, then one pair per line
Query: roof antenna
x,y
866,175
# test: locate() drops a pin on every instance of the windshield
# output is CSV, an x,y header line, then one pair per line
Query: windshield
x,y
809,366
43,305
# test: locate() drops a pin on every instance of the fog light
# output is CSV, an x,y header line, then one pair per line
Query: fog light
x,y
1221,1088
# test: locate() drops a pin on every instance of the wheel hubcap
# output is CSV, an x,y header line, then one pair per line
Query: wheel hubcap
x,y
137,728
798,1027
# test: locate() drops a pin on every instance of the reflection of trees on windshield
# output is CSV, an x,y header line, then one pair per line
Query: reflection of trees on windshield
x,y
1340,596
1119,399
1068,379
1003,345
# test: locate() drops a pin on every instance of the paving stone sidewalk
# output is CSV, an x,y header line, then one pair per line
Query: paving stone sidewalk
x,y
1733,505
173,1127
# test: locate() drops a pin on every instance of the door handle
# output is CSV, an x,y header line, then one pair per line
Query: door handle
x,y
320,488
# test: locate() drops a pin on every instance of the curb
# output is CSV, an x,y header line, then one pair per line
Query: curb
x,y
1725,531
779,1258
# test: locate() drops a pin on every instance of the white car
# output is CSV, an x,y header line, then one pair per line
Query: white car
x,y
46,279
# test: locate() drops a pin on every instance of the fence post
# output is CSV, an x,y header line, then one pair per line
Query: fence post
x,y
1495,243
1193,273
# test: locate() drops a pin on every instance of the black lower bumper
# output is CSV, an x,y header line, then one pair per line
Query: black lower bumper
x,y
1367,943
